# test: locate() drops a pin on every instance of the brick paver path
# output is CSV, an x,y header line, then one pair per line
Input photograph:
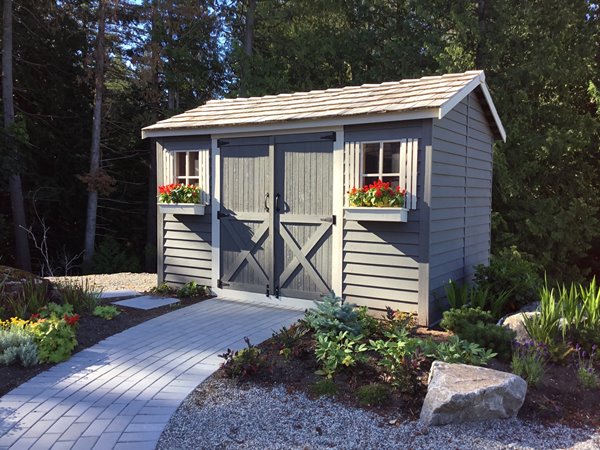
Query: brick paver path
x,y
121,392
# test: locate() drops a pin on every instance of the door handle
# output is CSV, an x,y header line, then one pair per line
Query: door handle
x,y
277,202
267,202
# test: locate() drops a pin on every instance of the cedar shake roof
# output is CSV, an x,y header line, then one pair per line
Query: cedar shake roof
x,y
434,96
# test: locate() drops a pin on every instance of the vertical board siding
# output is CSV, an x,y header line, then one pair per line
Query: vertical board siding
x,y
461,186
381,259
185,240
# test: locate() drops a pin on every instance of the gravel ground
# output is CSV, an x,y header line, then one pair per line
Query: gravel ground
x,y
221,415
140,282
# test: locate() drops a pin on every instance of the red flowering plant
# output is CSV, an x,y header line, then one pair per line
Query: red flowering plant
x,y
179,193
377,194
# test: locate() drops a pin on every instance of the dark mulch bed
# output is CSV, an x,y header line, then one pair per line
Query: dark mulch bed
x,y
91,330
558,399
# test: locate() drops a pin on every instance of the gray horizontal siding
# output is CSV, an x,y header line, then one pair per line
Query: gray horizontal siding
x,y
381,259
461,180
187,249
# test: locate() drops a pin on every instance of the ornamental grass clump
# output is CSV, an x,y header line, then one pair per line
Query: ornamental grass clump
x,y
179,193
529,361
377,194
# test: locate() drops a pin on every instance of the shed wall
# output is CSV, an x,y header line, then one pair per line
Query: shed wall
x,y
184,241
461,190
381,259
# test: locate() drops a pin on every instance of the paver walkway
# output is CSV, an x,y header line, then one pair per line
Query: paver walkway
x,y
121,392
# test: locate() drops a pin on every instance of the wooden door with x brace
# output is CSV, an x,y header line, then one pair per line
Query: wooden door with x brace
x,y
276,215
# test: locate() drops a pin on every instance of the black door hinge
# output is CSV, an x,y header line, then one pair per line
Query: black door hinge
x,y
220,284
221,214
268,294
330,219
276,291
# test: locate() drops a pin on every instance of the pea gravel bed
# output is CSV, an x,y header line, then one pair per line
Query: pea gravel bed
x,y
141,282
222,415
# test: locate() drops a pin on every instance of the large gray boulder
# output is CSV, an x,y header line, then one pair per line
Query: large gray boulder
x,y
460,393
516,323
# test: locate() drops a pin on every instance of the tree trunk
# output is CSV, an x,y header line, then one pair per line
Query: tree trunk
x,y
248,46
23,259
92,206
155,96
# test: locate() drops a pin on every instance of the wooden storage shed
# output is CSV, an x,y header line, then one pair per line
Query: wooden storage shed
x,y
275,172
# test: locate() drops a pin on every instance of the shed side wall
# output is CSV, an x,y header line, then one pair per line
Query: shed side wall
x,y
461,192
185,239
381,259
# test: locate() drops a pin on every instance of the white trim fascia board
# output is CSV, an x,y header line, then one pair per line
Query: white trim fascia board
x,y
215,184
488,97
299,304
449,104
300,124
338,211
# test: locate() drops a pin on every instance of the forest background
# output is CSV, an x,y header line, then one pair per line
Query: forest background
x,y
88,75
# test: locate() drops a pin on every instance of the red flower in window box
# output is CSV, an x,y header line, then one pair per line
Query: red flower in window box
x,y
179,193
377,194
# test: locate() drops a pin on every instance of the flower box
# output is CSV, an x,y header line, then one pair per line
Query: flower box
x,y
374,214
182,208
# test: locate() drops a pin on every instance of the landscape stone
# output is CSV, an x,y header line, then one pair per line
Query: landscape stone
x,y
516,323
460,393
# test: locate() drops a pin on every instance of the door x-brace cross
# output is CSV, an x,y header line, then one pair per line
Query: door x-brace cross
x,y
247,254
300,256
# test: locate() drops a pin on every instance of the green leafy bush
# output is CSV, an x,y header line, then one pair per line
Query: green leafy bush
x,y
243,363
287,341
398,321
368,324
192,289
510,269
332,315
337,350
459,351
83,296
477,297
324,388
17,344
107,312
478,326
529,361
163,289
112,257
375,394
55,337
401,359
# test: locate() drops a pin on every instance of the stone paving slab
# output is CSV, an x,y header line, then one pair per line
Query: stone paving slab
x,y
123,293
146,302
120,393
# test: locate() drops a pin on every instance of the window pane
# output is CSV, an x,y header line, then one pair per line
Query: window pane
x,y
391,157
369,180
371,158
394,181
194,164
180,163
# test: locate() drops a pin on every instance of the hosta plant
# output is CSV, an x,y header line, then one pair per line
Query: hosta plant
x,y
377,194
179,193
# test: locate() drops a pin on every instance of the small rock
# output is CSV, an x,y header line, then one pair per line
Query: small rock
x,y
516,323
460,393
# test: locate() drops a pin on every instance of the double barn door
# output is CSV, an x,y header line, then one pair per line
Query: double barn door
x,y
276,215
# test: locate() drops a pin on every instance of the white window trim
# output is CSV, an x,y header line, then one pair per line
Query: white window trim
x,y
380,174
204,177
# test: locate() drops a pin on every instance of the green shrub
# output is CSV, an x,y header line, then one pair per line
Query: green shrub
x,y
460,351
107,312
332,315
529,362
55,337
368,324
398,321
287,341
244,363
401,359
17,344
111,257
477,297
375,394
83,296
324,388
586,371
335,351
510,270
477,326
163,289
192,289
